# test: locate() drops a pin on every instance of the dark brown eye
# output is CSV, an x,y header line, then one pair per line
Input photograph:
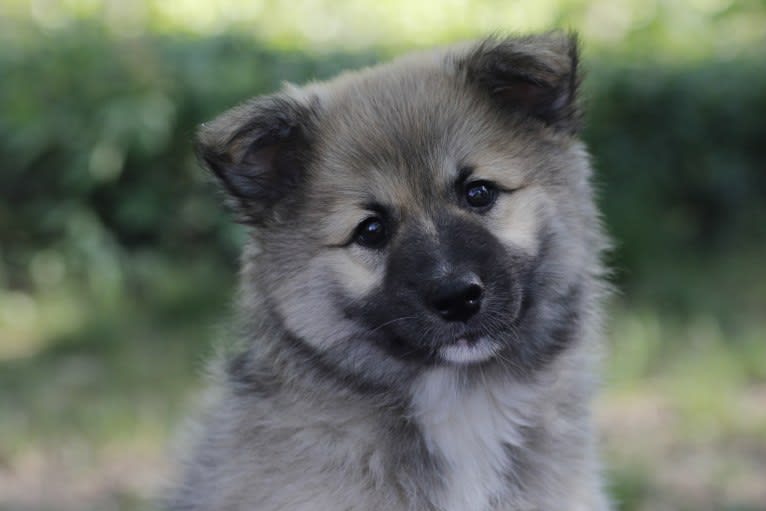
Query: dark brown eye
x,y
371,233
480,194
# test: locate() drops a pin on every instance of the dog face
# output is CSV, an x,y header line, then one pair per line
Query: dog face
x,y
434,210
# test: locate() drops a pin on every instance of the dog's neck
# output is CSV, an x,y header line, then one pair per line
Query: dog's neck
x,y
468,427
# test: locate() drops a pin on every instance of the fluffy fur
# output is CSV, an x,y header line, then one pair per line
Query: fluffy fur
x,y
363,382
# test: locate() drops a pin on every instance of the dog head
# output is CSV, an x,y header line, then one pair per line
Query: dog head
x,y
433,210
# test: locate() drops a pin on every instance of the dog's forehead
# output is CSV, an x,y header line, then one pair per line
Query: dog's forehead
x,y
395,134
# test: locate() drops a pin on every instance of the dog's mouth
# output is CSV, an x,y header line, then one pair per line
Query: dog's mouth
x,y
464,349
468,349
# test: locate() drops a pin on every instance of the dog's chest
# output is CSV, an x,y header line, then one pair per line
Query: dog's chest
x,y
469,430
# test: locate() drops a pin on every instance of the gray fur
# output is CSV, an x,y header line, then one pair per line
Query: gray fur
x,y
322,409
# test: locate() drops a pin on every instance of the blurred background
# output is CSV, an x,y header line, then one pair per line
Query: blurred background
x,y
117,263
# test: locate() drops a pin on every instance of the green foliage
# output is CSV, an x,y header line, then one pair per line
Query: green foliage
x,y
680,155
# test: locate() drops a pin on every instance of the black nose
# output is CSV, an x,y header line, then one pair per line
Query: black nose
x,y
457,299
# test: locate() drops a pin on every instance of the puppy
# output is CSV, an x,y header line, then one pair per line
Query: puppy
x,y
420,299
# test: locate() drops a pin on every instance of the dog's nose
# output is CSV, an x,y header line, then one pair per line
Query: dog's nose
x,y
458,299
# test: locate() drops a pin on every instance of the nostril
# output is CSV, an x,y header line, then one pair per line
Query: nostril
x,y
458,301
443,306
472,294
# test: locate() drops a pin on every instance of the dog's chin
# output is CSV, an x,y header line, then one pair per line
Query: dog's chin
x,y
468,351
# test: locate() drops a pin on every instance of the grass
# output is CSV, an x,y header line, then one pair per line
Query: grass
x,y
91,403
684,405
93,390
683,414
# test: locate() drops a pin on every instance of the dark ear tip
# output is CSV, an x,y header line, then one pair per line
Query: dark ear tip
x,y
574,42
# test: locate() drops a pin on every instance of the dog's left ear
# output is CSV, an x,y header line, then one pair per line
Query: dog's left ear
x,y
535,76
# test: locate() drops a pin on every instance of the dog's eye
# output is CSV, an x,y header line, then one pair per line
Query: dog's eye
x,y
371,233
480,194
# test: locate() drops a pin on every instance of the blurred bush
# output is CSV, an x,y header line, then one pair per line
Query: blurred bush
x,y
679,152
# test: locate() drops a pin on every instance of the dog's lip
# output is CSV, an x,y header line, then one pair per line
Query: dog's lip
x,y
466,336
469,349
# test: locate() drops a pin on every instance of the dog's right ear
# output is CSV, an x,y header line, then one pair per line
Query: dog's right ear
x,y
258,151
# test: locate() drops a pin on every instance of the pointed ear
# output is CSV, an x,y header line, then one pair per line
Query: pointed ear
x,y
535,76
258,151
